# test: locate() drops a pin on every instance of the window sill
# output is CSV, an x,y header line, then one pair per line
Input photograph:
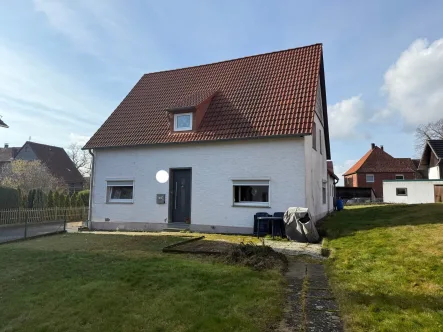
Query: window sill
x,y
252,206
120,202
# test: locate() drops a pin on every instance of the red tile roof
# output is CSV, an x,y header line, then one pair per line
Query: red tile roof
x,y
272,94
377,160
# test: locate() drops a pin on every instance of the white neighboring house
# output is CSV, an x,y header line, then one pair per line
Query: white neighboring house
x,y
235,137
429,190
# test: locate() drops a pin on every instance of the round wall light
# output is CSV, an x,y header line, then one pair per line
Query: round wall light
x,y
162,176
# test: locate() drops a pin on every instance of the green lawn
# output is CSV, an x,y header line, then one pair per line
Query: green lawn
x,y
90,282
386,267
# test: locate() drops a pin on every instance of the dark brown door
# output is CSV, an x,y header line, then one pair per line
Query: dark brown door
x,y
438,193
180,200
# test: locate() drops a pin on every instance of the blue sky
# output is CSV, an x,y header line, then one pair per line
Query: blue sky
x,y
65,65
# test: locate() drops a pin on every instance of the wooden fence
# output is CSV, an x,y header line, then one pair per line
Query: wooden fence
x,y
23,216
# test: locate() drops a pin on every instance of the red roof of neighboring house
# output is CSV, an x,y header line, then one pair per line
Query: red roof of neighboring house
x,y
271,94
377,160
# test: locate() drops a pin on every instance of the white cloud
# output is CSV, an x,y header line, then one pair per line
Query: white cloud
x,y
80,139
345,116
414,84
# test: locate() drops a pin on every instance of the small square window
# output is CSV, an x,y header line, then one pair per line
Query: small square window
x,y
251,193
120,191
370,178
401,191
183,122
399,177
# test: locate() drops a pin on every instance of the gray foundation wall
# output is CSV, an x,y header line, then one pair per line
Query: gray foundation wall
x,y
157,227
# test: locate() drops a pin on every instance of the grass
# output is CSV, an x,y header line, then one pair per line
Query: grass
x,y
91,282
386,267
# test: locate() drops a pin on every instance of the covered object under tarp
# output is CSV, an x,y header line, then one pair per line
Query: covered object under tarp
x,y
299,226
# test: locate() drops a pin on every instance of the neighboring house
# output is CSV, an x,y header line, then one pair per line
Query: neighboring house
x,y
431,162
428,190
56,160
376,166
7,155
235,137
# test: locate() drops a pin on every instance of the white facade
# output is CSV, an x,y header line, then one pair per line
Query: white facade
x,y
294,180
434,172
417,191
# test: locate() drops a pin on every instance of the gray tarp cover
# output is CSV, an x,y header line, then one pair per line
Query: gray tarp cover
x,y
299,226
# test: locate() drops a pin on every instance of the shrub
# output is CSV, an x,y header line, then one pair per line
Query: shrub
x,y
84,195
9,198
50,203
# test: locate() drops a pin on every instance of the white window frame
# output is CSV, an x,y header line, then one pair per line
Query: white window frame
x,y
402,176
119,183
373,178
397,194
237,183
176,128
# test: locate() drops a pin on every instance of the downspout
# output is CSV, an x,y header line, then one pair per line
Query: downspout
x,y
91,187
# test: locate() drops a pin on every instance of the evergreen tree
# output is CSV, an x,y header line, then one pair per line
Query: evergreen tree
x,y
74,200
38,199
50,203
67,201
31,197
57,199
79,202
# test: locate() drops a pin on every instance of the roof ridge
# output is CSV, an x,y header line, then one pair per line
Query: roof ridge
x,y
51,146
230,60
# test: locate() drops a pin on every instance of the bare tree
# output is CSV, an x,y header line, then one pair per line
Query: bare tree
x,y
27,175
432,130
81,158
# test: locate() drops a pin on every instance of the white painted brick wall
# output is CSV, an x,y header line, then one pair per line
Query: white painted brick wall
x,y
213,167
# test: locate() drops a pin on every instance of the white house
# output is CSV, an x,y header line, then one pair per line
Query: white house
x,y
428,190
210,146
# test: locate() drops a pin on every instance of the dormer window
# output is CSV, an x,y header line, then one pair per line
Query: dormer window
x,y
183,122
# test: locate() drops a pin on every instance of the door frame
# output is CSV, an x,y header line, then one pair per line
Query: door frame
x,y
440,186
171,192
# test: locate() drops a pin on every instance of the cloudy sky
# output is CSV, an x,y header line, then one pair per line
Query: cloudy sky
x,y
65,65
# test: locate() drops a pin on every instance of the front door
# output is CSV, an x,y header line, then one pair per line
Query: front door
x,y
438,193
180,195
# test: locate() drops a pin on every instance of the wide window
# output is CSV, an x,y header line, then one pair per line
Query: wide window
x,y
399,177
370,178
183,122
120,191
402,191
251,193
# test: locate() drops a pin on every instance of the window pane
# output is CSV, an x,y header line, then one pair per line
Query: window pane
x,y
121,192
183,121
369,178
251,194
399,177
402,192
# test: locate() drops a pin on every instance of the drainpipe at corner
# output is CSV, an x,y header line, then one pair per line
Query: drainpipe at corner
x,y
91,186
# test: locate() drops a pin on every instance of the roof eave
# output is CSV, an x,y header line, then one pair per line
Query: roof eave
x,y
86,147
